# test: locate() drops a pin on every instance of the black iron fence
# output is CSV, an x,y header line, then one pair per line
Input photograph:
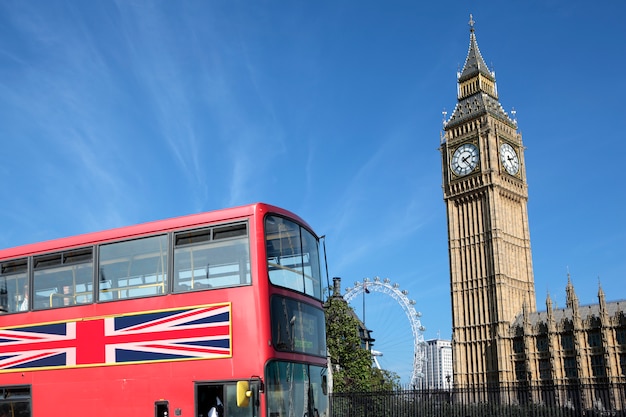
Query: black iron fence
x,y
517,400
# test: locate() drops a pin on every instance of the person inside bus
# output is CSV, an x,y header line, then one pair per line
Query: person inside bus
x,y
68,295
23,306
218,409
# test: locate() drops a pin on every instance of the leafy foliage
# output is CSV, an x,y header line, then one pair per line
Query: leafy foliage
x,y
351,363
384,380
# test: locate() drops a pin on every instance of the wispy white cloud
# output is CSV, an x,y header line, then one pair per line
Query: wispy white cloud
x,y
366,203
199,99
66,91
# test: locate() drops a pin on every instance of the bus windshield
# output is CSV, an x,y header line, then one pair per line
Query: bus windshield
x,y
292,256
296,389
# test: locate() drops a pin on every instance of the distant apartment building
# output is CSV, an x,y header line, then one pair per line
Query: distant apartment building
x,y
438,374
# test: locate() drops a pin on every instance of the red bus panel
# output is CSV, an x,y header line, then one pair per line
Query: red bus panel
x,y
161,318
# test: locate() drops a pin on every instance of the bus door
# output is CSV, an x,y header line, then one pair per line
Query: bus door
x,y
214,399
210,400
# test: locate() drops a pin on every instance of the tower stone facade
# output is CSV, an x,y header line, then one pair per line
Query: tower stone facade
x,y
575,356
486,194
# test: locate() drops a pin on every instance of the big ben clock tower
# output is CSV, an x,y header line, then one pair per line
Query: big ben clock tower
x,y
486,194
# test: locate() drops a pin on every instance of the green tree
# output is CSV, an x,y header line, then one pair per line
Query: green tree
x,y
384,380
351,363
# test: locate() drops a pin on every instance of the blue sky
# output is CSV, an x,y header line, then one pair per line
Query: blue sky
x,y
115,113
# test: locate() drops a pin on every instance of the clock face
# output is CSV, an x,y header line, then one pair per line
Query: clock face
x,y
509,159
464,159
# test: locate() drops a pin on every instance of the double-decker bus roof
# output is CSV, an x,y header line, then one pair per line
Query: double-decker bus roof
x,y
152,227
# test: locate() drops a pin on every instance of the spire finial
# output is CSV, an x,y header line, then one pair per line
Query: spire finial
x,y
471,23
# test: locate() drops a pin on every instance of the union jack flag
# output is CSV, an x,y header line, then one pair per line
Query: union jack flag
x,y
202,332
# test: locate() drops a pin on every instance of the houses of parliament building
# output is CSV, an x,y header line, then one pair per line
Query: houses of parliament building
x,y
499,336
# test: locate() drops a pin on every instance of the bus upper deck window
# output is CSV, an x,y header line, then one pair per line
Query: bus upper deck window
x,y
63,278
213,257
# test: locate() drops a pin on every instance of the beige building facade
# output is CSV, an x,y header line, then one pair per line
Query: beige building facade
x,y
486,194
499,337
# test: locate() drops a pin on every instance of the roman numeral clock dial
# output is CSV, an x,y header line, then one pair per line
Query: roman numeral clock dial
x,y
464,159
509,159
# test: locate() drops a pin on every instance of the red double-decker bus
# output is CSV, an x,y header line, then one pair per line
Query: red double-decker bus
x,y
167,318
